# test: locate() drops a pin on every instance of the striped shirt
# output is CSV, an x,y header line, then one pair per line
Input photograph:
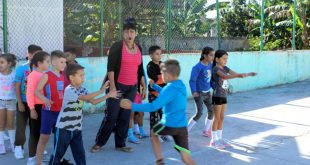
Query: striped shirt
x,y
70,116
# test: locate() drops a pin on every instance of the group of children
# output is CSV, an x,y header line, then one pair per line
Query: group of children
x,y
49,96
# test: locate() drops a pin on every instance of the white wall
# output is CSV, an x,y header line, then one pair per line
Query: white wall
x,y
35,22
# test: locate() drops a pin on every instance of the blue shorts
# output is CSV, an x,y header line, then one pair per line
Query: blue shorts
x,y
48,121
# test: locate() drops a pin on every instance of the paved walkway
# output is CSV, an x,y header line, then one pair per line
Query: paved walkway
x,y
266,126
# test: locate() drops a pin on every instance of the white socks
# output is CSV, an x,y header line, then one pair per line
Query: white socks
x,y
208,124
12,136
219,134
1,137
190,125
136,128
214,136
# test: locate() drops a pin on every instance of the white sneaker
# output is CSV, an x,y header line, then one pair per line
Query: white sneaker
x,y
32,161
19,152
161,139
2,149
167,138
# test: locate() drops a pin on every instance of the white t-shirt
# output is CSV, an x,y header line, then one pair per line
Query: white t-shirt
x,y
7,86
70,116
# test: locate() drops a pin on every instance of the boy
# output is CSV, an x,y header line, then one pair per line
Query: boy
x,y
52,85
153,72
70,56
69,121
173,100
23,113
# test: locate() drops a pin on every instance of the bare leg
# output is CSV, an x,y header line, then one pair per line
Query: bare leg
x,y
187,159
156,147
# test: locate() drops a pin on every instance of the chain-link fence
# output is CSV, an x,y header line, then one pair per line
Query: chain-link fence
x,y
178,26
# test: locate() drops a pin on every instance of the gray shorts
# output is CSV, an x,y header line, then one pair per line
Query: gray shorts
x,y
9,105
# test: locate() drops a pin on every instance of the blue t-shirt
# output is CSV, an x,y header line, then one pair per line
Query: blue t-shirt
x,y
21,75
172,98
200,78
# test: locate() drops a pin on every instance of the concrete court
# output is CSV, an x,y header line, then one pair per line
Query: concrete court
x,y
265,126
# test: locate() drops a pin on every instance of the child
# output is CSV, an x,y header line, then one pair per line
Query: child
x,y
39,64
137,117
173,100
153,72
220,74
69,121
23,113
70,57
52,85
7,99
200,87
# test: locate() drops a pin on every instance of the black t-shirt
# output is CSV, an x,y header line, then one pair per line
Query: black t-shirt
x,y
153,72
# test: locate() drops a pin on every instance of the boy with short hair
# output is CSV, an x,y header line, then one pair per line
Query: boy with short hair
x,y
173,100
52,85
153,72
23,113
69,121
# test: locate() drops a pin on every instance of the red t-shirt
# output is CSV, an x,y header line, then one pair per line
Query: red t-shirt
x,y
54,90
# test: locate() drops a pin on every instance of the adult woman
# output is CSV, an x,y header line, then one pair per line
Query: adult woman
x,y
124,65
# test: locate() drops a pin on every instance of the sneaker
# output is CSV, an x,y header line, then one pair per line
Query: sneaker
x,y
19,152
65,162
167,138
161,139
46,158
207,133
133,139
225,143
6,137
2,149
31,161
217,145
143,135
136,131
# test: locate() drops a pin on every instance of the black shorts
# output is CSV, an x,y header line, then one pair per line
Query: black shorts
x,y
180,136
219,100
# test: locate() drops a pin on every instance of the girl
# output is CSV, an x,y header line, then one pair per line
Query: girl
x,y
41,63
220,74
7,99
137,117
200,87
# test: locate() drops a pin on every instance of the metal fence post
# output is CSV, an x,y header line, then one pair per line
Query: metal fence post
x,y
262,19
168,26
5,26
101,27
218,24
294,27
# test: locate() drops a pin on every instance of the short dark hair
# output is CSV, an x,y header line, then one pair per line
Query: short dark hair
x,y
171,66
72,69
130,23
153,49
71,50
58,54
34,48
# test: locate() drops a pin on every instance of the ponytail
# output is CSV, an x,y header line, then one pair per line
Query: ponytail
x,y
38,57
